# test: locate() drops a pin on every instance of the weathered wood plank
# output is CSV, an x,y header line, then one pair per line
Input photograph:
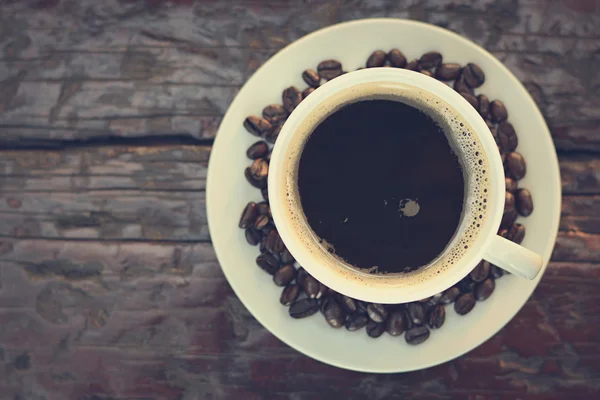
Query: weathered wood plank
x,y
580,174
171,317
168,168
98,70
580,214
156,320
173,215
123,108
157,193
219,25
107,215
174,167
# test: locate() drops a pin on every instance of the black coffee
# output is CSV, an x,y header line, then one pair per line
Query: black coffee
x,y
381,186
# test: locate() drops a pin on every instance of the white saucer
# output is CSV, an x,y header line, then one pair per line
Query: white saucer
x,y
228,193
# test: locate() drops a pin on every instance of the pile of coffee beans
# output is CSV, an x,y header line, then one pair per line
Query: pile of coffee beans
x,y
302,293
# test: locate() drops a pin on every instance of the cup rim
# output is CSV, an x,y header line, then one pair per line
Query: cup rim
x,y
356,288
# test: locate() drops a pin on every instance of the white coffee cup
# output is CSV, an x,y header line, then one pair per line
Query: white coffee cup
x,y
428,280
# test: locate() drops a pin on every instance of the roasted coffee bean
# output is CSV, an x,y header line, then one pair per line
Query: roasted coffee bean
x,y
376,59
304,308
461,87
307,91
377,312
503,233
265,193
261,221
396,58
448,71
396,323
516,233
510,141
509,201
329,69
257,183
466,285
484,106
323,291
498,111
257,150
361,306
286,257
511,185
471,99
257,126
311,77
492,127
300,276
348,303
464,304
515,164
508,218
267,263
480,272
524,202
502,141
273,242
248,215
430,60
275,114
473,75
434,300
266,230
413,65
450,295
496,272
426,72
333,312
263,208
484,289
284,275
259,169
289,294
416,313
417,335
253,236
436,317
323,303
291,97
272,136
375,329
271,237
356,321
310,286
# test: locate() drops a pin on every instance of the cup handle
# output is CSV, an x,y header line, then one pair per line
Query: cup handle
x,y
513,258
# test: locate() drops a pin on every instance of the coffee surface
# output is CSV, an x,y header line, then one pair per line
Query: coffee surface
x,y
381,187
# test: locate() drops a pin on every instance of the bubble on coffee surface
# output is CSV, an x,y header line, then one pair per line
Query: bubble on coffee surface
x,y
462,140
408,208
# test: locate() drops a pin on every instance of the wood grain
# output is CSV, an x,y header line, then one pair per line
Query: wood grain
x,y
165,314
109,286
157,193
100,70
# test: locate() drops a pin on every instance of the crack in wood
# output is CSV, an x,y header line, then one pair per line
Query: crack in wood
x,y
104,141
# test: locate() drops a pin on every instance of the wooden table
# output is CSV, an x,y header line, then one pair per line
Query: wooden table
x,y
109,286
